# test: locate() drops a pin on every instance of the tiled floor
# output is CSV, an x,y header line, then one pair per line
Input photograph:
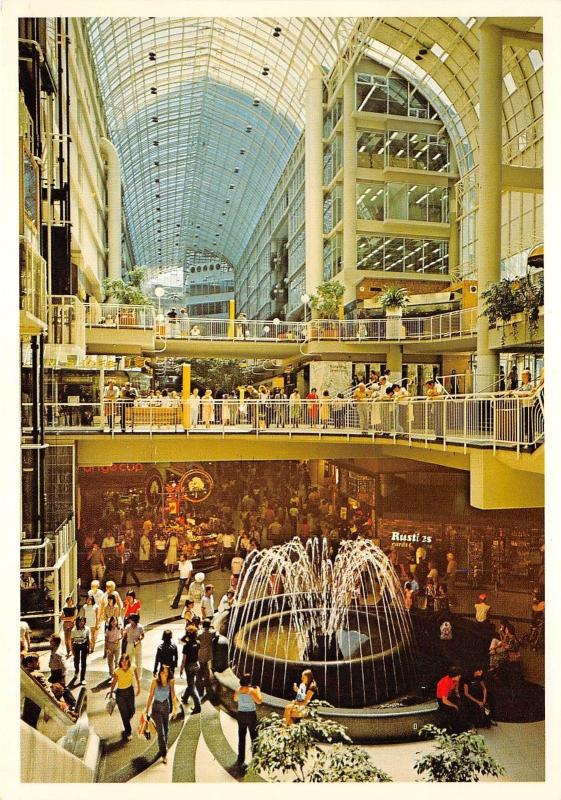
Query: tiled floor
x,y
518,747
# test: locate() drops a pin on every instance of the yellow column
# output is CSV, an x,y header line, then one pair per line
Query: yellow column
x,y
232,317
349,188
489,214
185,394
394,360
313,143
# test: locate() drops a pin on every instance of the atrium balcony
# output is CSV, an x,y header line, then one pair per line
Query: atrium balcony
x,y
33,290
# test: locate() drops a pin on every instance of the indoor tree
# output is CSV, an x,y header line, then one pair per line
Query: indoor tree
x,y
460,757
296,751
127,291
327,299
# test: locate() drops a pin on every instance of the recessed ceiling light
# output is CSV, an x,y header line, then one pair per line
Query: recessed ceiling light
x,y
153,90
155,143
154,119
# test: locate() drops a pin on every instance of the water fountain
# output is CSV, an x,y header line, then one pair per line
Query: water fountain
x,y
344,619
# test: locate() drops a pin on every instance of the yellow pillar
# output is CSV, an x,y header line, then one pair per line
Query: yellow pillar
x,y
232,317
349,188
394,361
185,395
313,144
489,214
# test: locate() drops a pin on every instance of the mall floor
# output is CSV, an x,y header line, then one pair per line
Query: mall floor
x,y
204,749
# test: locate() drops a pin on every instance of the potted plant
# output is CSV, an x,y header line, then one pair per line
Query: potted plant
x,y
325,303
532,294
127,292
393,300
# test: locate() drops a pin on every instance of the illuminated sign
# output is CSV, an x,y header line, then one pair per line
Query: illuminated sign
x,y
196,485
114,468
411,537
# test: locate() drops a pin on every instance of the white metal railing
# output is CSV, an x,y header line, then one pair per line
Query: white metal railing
x,y
33,281
118,315
53,569
491,420
193,328
66,321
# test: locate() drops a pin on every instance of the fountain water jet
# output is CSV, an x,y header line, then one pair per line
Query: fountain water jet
x,y
344,619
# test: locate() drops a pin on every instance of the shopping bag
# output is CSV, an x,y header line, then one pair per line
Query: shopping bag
x,y
110,703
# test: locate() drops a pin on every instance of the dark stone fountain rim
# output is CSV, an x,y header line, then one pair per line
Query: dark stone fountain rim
x,y
378,656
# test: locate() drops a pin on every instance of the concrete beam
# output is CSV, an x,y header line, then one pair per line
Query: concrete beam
x,y
521,179
525,39
494,484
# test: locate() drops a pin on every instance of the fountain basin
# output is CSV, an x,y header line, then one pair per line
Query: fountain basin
x,y
371,668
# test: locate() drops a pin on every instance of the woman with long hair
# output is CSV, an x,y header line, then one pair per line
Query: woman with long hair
x,y
80,637
90,612
161,703
68,618
113,636
124,694
305,692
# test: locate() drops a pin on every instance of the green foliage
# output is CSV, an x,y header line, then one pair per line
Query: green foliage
x,y
460,757
393,297
297,749
510,296
128,292
502,300
220,375
327,299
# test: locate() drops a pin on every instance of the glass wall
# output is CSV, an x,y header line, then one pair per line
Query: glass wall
x,y
417,151
399,254
332,117
391,94
370,149
332,159
332,209
370,200
332,257
418,202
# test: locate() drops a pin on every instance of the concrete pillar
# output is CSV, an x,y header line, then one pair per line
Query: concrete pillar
x,y
349,189
454,241
489,215
114,212
394,361
313,143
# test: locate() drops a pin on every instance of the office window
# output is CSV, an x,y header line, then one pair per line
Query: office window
x,y
370,200
370,150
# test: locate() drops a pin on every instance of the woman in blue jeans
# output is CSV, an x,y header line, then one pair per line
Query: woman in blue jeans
x,y
162,701
190,665
247,698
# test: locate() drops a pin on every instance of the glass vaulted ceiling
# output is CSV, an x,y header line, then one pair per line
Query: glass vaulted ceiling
x,y
204,114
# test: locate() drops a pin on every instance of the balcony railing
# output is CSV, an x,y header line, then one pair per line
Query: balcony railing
x,y
33,281
116,315
484,420
66,322
52,568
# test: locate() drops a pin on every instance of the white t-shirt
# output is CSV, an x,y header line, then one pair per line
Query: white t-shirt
x,y
207,606
185,569
237,565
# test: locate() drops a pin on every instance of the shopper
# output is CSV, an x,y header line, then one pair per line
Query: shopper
x,y
97,561
207,603
171,555
476,696
166,653
80,636
206,639
207,406
194,407
134,634
131,605
90,612
482,609
124,695
68,618
113,636
247,698
305,693
448,696
451,570
160,704
190,665
125,558
185,572
361,398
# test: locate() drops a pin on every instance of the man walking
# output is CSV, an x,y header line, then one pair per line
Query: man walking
x,y
185,572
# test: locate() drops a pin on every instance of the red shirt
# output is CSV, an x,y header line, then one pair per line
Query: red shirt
x,y
445,687
133,608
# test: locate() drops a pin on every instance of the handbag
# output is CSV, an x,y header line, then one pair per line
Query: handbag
x,y
110,703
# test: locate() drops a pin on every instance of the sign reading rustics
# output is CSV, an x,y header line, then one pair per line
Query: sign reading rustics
x,y
411,537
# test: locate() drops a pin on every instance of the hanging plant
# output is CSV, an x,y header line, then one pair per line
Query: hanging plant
x,y
393,297
502,300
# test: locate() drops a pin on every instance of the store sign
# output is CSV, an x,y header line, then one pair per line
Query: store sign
x,y
196,485
113,468
411,537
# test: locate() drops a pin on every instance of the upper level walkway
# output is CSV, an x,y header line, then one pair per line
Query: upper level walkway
x,y
111,328
489,421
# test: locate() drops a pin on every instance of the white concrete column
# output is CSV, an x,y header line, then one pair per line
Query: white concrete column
x,y
313,143
113,209
349,189
489,215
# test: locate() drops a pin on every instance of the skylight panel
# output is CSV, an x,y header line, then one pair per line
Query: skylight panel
x,y
510,83
439,52
536,59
